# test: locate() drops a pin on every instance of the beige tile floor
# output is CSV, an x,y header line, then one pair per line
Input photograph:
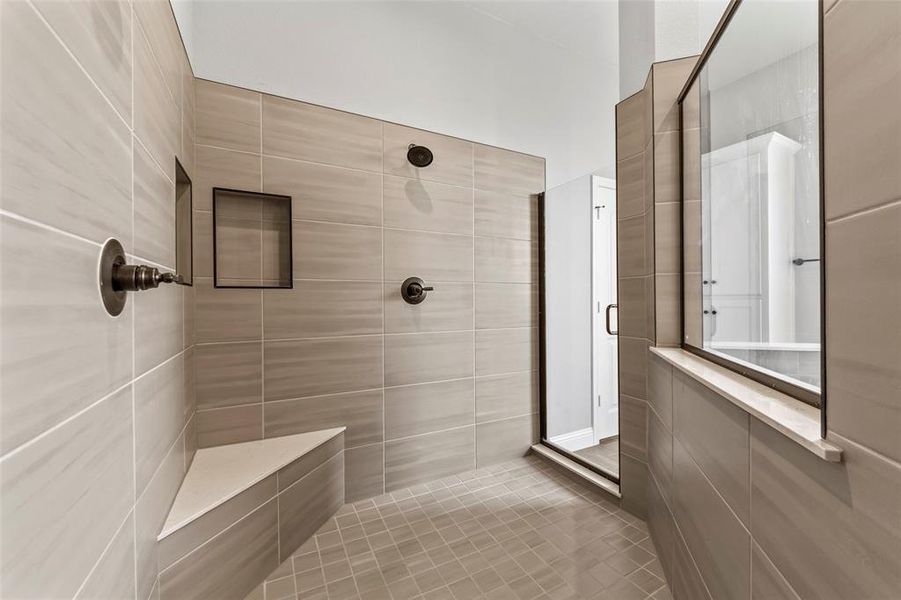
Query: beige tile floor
x,y
519,531
605,455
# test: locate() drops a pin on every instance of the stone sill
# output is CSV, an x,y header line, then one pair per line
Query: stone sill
x,y
794,419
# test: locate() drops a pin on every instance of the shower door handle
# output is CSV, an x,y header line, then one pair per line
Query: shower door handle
x,y
607,319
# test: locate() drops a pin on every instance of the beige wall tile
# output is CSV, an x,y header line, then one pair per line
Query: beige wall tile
x,y
633,427
718,542
157,119
506,396
188,110
294,369
322,309
307,504
506,171
154,211
158,24
660,456
325,193
364,472
500,260
766,580
226,116
668,318
114,574
191,536
500,214
428,457
228,374
630,126
863,352
631,247
691,106
691,240
668,238
239,251
229,425
360,412
99,35
424,357
202,244
331,251
633,367
159,399
32,344
632,305
861,74
667,157
715,433
660,389
428,206
225,315
848,511
431,256
630,185
452,156
64,497
307,132
501,305
662,529
506,350
448,308
218,167
66,155
669,78
229,565
428,407
691,164
633,483
687,582
306,463
159,321
692,310
499,441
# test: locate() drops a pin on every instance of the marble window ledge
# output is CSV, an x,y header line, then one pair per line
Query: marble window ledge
x,y
796,420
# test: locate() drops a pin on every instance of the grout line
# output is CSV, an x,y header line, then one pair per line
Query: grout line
x,y
384,319
106,549
865,211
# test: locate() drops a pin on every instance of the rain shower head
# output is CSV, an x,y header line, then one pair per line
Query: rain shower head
x,y
419,156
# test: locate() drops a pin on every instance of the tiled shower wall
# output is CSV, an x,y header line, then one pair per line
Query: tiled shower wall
x,y
97,100
738,510
425,391
648,247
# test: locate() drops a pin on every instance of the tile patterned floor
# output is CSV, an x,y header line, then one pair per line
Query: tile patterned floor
x,y
517,531
605,455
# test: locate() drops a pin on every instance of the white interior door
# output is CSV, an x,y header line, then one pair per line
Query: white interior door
x,y
605,393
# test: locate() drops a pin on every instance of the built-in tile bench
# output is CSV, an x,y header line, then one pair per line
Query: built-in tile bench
x,y
244,508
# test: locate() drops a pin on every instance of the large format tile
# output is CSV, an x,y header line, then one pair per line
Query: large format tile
x,y
668,310
668,237
660,389
64,497
500,214
46,322
662,528
428,457
630,235
832,529
427,206
159,325
448,308
862,75
499,260
308,503
218,167
633,432
632,307
719,543
228,374
452,156
506,171
506,350
505,396
431,256
669,78
226,315
863,352
66,156
220,426
660,456
424,357
767,583
500,305
428,407
322,309
630,125
157,21
364,472
114,574
159,399
633,367
360,412
99,35
333,251
715,433
687,582
154,211
633,482
231,564
325,193
294,369
308,132
498,441
157,118
630,186
226,116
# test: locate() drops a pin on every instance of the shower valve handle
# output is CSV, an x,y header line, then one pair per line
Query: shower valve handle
x,y
413,290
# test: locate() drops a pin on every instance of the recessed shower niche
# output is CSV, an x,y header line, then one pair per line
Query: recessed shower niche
x,y
252,245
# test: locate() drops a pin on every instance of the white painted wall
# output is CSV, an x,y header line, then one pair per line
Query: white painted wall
x,y
537,77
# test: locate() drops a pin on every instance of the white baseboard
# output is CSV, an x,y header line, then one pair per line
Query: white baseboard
x,y
574,440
